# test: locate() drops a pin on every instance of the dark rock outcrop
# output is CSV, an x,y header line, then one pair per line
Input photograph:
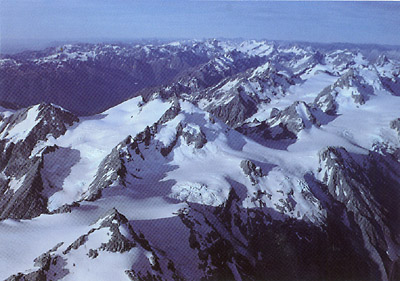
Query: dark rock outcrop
x,y
197,138
26,201
22,191
361,92
234,104
51,267
49,120
121,239
284,124
395,125
132,152
251,170
363,187
233,241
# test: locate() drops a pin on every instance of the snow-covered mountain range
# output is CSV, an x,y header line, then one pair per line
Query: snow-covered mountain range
x,y
200,160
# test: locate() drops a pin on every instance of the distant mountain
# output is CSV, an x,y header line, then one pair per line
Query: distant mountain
x,y
108,74
245,160
88,79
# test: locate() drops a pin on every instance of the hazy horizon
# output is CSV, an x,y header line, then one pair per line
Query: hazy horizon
x,y
18,46
37,24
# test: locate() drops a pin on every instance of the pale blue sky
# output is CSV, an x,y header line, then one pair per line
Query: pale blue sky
x,y
50,20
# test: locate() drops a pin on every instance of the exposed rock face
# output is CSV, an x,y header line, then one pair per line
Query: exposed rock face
x,y
295,118
326,102
236,99
232,241
194,135
172,112
39,275
25,196
51,267
22,131
262,131
251,170
382,60
194,81
22,191
113,169
26,200
274,112
129,160
358,188
121,238
236,110
307,63
349,85
284,124
389,72
117,242
392,84
341,60
395,124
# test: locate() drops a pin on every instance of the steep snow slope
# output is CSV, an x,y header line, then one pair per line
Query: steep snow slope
x,y
94,137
